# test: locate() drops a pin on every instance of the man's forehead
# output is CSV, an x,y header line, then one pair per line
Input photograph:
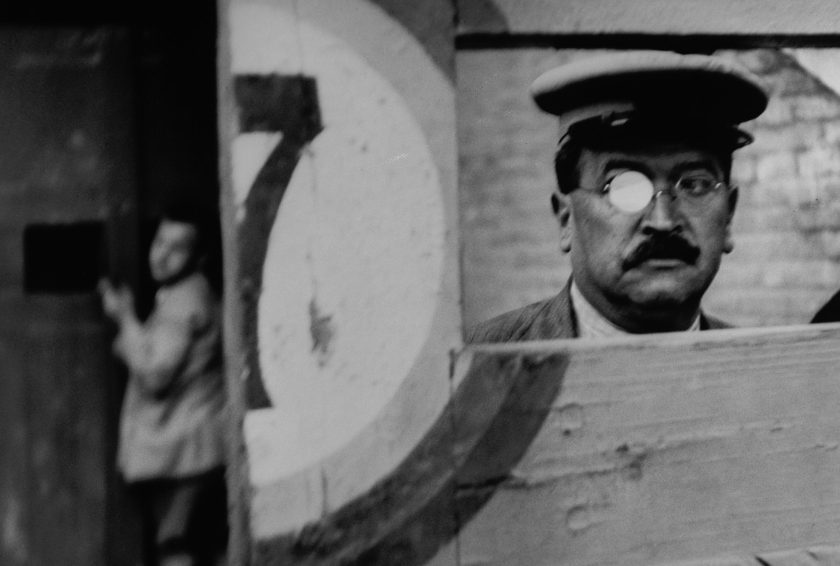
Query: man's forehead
x,y
665,155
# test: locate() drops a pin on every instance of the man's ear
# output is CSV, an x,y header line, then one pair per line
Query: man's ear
x,y
729,243
562,211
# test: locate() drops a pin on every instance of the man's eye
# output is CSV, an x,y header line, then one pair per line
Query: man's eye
x,y
697,184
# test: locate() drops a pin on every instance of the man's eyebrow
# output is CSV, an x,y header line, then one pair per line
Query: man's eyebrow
x,y
626,163
708,164
642,167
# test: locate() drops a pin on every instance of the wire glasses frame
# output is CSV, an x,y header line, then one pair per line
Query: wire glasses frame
x,y
631,191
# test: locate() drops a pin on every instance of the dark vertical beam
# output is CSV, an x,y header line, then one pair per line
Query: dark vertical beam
x,y
122,528
234,347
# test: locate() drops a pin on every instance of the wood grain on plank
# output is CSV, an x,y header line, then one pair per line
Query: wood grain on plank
x,y
672,448
822,555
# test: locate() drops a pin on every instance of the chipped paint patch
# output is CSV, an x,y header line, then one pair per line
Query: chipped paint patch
x,y
321,330
570,418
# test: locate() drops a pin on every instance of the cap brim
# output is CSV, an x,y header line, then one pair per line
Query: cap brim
x,y
654,81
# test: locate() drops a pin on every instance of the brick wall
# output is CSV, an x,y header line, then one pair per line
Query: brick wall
x,y
786,261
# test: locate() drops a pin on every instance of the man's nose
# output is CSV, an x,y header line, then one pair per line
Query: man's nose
x,y
662,215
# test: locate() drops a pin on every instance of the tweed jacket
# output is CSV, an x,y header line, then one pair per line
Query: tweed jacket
x,y
549,319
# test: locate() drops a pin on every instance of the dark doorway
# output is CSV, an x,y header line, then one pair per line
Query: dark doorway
x,y
106,115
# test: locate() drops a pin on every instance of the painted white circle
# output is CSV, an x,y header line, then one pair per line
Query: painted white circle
x,y
354,262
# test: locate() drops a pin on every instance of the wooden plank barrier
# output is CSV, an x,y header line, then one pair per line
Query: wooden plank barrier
x,y
713,448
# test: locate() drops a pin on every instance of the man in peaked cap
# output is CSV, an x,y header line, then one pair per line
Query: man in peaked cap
x,y
644,201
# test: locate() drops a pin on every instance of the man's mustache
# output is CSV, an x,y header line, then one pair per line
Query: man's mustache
x,y
670,246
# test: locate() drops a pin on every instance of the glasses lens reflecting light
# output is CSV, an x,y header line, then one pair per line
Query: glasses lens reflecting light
x,y
630,191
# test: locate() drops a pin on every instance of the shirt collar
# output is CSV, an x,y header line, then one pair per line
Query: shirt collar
x,y
592,324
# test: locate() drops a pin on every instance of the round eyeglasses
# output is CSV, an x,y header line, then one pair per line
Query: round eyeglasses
x,y
631,191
